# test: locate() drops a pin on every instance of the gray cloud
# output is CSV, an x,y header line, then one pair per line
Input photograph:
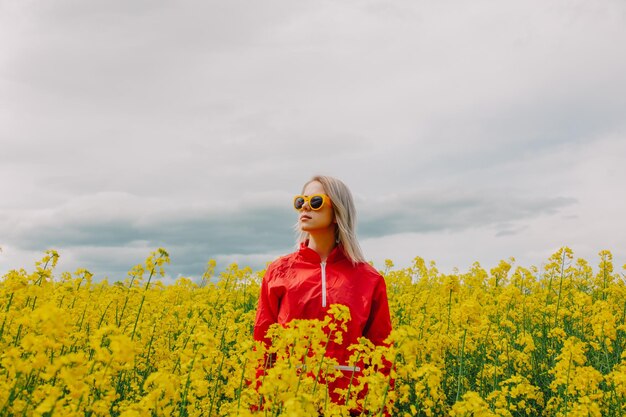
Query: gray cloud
x,y
450,211
195,235
126,126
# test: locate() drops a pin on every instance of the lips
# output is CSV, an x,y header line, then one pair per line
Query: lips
x,y
305,217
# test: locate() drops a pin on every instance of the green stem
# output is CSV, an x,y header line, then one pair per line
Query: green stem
x,y
569,368
243,372
458,388
143,298
449,310
382,407
558,300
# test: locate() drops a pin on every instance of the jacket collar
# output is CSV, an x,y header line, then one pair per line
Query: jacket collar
x,y
309,255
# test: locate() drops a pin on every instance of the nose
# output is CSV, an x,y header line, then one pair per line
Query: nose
x,y
306,206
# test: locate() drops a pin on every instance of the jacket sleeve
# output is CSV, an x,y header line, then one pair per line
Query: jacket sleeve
x,y
267,308
378,328
378,325
266,315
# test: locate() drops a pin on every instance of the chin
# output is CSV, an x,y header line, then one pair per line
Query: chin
x,y
308,227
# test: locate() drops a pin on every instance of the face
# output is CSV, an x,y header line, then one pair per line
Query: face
x,y
321,220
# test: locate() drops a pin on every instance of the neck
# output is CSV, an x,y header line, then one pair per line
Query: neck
x,y
322,243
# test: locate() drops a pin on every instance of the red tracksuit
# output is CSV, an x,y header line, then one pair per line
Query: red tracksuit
x,y
300,286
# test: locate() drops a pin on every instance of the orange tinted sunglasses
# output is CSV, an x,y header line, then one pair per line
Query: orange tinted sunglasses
x,y
316,201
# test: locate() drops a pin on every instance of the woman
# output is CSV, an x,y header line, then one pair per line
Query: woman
x,y
327,268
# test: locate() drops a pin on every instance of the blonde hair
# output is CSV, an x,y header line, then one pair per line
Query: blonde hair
x,y
345,215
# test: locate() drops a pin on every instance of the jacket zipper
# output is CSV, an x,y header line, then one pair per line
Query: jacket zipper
x,y
323,264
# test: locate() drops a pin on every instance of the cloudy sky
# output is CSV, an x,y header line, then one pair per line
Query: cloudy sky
x,y
467,130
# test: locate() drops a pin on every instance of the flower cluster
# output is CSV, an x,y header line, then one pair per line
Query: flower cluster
x,y
510,341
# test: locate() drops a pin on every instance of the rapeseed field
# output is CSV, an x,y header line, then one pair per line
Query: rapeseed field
x,y
509,341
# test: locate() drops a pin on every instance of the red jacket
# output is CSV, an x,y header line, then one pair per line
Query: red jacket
x,y
300,286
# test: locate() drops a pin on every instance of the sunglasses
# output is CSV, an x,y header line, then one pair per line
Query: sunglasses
x,y
316,201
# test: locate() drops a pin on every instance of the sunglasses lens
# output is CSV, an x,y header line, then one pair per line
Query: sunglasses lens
x,y
316,202
298,203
